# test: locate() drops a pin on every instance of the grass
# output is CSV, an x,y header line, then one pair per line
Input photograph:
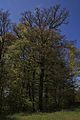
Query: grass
x,y
62,115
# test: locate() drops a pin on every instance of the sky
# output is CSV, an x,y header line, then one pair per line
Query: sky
x,y
72,30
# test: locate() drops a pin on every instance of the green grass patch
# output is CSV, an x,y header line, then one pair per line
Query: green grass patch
x,y
62,115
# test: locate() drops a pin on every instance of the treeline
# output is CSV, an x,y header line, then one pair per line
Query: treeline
x,y
36,62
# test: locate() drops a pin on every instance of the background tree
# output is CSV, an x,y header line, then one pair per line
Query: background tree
x,y
37,72
4,28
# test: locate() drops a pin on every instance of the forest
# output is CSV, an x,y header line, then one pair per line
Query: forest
x,y
38,65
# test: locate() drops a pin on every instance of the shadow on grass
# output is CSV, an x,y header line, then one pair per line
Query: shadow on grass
x,y
6,118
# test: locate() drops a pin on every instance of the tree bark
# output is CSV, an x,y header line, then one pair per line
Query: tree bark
x,y
41,88
33,93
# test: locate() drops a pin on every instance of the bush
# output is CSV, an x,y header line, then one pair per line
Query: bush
x,y
26,105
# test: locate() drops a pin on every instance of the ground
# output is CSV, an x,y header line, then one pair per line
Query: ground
x,y
62,115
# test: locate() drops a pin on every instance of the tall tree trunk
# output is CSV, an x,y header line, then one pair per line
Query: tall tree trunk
x,y
33,93
41,88
1,73
1,83
46,96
